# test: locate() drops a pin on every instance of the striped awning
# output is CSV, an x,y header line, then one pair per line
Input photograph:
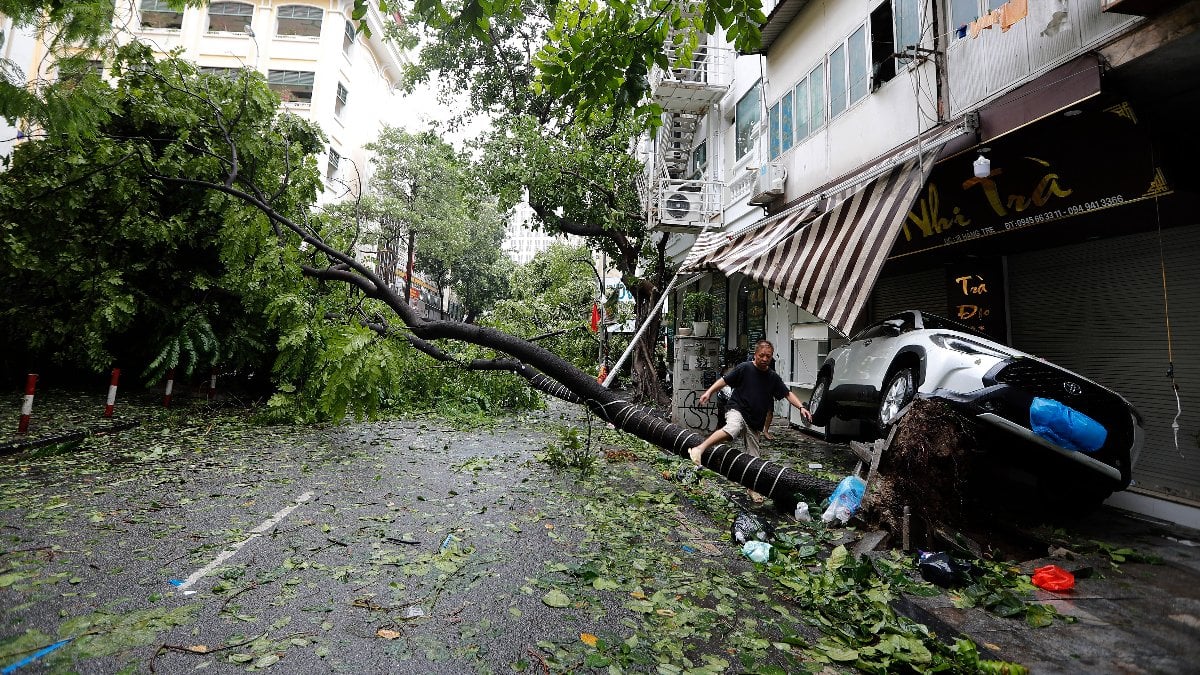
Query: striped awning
x,y
729,253
829,265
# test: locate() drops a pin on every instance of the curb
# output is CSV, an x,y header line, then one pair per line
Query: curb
x,y
23,444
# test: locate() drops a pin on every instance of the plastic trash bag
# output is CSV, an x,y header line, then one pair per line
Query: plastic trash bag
x,y
844,500
747,527
942,570
1053,578
758,551
802,513
1065,426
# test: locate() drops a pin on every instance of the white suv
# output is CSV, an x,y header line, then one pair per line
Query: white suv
x,y
913,353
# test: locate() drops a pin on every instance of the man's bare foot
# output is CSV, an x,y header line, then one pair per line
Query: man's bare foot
x,y
767,435
695,454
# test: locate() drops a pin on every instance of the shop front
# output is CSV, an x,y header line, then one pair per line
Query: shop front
x,y
1075,246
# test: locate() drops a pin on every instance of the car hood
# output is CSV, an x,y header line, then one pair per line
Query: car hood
x,y
1013,353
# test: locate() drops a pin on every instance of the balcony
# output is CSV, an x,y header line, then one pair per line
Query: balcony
x,y
686,205
693,84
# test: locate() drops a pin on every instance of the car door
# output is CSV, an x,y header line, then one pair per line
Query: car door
x,y
869,355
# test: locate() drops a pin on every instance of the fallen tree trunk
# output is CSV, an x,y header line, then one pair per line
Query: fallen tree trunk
x,y
543,369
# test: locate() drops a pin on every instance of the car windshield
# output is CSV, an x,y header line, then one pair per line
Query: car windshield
x,y
935,322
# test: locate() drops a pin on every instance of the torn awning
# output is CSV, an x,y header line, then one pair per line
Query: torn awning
x,y
728,253
829,265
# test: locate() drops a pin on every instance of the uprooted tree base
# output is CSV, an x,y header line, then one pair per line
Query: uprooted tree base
x,y
926,468
965,485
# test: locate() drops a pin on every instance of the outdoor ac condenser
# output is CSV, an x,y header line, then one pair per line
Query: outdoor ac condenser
x,y
681,207
769,185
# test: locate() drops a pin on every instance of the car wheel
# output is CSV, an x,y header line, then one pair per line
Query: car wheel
x,y
819,404
897,393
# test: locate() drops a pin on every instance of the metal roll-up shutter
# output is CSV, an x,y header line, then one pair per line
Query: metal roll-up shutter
x,y
924,290
1098,308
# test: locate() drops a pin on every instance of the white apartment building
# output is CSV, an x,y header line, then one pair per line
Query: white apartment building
x,y
829,180
310,52
522,241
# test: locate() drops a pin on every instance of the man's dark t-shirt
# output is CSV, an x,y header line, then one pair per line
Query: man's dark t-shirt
x,y
754,392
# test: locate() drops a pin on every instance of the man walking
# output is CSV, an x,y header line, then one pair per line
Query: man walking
x,y
756,387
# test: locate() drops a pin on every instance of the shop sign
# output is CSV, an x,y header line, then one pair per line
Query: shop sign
x,y
975,295
1098,160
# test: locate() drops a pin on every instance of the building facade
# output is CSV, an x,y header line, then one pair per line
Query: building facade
x,y
845,158
312,54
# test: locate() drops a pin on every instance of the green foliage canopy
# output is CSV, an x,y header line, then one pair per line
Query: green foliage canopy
x,y
106,265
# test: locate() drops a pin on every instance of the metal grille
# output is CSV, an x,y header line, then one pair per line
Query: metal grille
x,y
1046,381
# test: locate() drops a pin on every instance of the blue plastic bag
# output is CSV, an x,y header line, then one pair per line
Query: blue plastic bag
x,y
845,499
1065,426
758,551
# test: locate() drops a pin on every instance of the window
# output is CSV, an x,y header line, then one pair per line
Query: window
x,y
785,122
816,98
837,81
773,123
299,20
342,95
907,14
848,78
747,118
895,27
220,71
348,38
331,168
158,14
856,52
699,160
292,85
229,17
963,12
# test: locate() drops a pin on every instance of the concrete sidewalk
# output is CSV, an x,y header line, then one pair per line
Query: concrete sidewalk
x,y
1131,617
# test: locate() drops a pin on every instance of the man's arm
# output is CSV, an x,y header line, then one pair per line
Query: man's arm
x,y
716,386
799,405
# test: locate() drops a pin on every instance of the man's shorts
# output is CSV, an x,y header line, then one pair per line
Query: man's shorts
x,y
736,427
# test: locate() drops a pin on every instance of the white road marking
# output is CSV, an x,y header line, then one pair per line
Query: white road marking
x,y
255,533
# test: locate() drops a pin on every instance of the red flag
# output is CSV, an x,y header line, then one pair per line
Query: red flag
x,y
595,317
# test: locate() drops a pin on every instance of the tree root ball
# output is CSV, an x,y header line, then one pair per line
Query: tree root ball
x,y
926,468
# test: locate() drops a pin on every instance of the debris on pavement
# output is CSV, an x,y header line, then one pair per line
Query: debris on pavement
x,y
845,500
1053,578
748,527
940,568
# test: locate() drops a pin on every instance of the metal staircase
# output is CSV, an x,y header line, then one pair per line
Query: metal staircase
x,y
676,200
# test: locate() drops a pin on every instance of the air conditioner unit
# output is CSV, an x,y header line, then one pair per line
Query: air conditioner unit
x,y
769,185
682,206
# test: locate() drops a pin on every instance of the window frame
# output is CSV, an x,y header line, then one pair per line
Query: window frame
x,y
159,8
743,121
290,82
340,102
349,38
280,18
333,164
699,159
225,4
847,92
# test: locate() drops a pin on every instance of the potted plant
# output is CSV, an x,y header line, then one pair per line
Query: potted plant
x,y
698,306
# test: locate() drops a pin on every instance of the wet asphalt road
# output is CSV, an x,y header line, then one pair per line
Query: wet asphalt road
x,y
391,547
416,547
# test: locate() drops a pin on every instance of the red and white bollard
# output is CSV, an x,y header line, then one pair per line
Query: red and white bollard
x,y
170,386
112,392
212,385
27,404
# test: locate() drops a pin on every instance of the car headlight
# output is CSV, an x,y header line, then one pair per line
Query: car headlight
x,y
966,346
